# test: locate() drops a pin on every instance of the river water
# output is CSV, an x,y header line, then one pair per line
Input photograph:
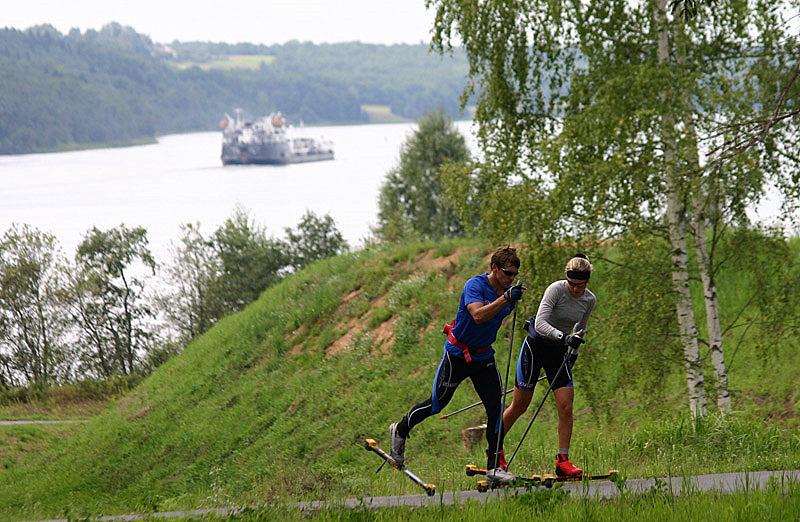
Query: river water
x,y
181,180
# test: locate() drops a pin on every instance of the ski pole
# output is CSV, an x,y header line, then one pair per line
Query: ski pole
x,y
465,408
503,395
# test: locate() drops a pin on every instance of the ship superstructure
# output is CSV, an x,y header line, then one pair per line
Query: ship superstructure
x,y
268,141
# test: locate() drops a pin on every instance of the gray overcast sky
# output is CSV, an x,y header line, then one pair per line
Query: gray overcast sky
x,y
254,21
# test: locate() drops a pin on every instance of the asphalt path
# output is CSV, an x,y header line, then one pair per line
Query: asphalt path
x,y
15,422
722,482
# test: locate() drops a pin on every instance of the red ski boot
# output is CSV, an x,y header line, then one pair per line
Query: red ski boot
x,y
501,460
565,468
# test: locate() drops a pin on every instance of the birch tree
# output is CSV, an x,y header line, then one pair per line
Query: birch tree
x,y
192,303
33,319
107,302
677,223
591,113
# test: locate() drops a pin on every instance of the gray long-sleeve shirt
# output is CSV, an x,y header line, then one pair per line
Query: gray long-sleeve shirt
x,y
559,311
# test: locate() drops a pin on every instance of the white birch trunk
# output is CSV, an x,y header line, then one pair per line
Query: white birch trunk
x,y
712,306
703,259
677,234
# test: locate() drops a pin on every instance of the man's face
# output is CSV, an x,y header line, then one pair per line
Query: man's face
x,y
505,275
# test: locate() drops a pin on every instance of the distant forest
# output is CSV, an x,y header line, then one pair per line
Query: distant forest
x,y
116,85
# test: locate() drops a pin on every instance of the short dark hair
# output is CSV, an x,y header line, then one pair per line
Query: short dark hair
x,y
505,255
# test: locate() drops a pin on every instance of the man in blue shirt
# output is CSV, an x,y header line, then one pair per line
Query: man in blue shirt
x,y
485,301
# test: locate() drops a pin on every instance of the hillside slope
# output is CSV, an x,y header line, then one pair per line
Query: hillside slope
x,y
273,402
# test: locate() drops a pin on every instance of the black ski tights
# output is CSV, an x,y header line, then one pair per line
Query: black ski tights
x,y
452,370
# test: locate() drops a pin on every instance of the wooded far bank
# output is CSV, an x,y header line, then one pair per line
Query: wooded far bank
x,y
114,85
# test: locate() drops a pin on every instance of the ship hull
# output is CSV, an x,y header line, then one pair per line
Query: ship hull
x,y
255,159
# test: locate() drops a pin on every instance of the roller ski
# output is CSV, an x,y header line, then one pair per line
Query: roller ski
x,y
487,484
371,445
546,480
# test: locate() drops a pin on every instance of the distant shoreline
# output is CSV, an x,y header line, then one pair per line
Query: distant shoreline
x,y
72,147
152,140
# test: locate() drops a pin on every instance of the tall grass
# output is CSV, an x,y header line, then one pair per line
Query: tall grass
x,y
81,399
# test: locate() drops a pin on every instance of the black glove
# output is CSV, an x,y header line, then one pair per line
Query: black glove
x,y
573,341
513,294
572,356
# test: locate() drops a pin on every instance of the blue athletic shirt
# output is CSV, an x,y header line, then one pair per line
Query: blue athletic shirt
x,y
477,290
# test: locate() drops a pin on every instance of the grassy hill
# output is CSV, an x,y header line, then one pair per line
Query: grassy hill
x,y
272,403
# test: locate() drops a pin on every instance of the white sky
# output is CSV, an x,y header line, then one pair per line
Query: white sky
x,y
253,21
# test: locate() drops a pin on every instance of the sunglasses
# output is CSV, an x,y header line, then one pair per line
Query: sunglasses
x,y
577,285
509,273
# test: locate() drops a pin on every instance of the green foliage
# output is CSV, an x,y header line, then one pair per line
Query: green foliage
x,y
379,316
764,268
593,164
211,277
194,302
411,198
634,321
688,8
33,341
107,301
573,120
402,292
79,391
592,117
723,438
249,260
115,85
315,238
406,330
463,190
408,78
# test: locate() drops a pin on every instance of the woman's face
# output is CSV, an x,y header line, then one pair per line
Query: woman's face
x,y
576,287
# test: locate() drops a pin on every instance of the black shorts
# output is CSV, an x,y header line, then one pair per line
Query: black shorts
x,y
537,353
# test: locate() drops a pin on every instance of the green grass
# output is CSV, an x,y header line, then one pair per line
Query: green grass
x,y
233,61
775,502
382,114
271,405
80,400
25,444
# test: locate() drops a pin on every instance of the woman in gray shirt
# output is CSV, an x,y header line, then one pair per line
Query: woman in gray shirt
x,y
559,324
